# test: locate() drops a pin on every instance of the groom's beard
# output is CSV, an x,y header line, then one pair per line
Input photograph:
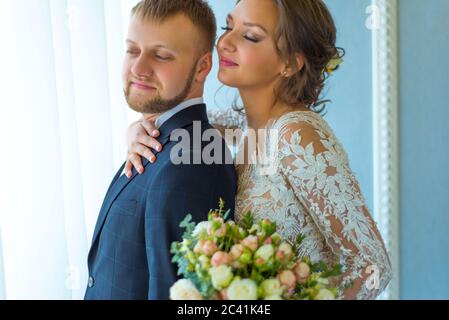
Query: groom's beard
x,y
158,104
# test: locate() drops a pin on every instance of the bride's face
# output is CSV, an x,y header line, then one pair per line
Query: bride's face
x,y
247,49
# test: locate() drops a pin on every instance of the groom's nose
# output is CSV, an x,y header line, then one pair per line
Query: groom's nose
x,y
142,67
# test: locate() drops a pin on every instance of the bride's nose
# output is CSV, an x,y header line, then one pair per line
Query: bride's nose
x,y
226,43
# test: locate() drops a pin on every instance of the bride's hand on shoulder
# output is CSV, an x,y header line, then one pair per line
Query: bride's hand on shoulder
x,y
141,139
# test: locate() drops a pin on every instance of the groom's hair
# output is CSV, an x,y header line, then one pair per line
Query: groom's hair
x,y
198,11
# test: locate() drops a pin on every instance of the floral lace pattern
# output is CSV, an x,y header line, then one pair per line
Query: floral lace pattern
x,y
314,192
226,117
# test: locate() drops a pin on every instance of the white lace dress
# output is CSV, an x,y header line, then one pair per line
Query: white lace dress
x,y
311,190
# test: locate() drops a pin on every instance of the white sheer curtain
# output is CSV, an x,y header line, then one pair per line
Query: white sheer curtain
x,y
62,124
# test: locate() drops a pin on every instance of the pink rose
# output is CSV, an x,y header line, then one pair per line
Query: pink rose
x,y
287,278
251,242
236,251
284,252
199,246
220,258
223,294
280,255
259,261
209,248
302,271
218,218
220,232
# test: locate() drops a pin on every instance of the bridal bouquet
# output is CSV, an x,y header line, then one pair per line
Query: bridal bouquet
x,y
220,260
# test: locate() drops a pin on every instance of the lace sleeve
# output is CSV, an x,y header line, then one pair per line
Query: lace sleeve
x,y
226,118
317,169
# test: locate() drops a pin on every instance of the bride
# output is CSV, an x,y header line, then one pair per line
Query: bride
x,y
274,53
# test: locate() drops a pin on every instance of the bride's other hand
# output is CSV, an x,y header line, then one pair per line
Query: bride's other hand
x,y
141,139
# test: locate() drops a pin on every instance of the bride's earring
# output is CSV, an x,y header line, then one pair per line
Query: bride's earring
x,y
285,74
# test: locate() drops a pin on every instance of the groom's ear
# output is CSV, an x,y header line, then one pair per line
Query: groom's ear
x,y
204,67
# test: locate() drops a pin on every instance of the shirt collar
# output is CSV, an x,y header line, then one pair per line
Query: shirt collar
x,y
170,113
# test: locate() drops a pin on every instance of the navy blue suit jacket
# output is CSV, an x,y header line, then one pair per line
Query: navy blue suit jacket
x,y
139,219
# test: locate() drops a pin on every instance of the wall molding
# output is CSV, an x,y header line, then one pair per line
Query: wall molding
x,y
385,43
2,271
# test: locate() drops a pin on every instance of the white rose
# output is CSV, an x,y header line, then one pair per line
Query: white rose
x,y
323,281
245,289
221,276
201,228
325,294
204,261
271,287
184,290
265,252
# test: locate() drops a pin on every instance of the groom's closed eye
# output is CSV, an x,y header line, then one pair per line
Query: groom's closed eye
x,y
163,57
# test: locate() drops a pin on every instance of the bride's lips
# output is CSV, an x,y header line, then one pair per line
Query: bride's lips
x,y
224,62
142,86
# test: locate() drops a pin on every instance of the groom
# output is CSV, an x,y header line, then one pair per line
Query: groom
x,y
169,56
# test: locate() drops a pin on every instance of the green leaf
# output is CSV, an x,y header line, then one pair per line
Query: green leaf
x,y
334,272
185,223
174,247
319,267
247,221
221,205
226,215
189,226
300,239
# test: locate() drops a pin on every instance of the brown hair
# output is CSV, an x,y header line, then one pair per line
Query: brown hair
x,y
306,27
198,11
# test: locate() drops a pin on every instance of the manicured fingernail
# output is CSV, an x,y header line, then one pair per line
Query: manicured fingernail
x,y
159,148
140,170
152,159
128,175
155,133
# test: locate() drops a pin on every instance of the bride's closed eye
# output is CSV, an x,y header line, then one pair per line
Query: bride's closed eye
x,y
249,38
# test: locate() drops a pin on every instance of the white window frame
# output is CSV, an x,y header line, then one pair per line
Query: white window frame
x,y
385,70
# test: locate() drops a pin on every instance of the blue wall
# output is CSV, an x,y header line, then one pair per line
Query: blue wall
x,y
350,89
424,149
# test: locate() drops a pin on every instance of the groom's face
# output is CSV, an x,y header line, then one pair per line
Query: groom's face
x,y
160,66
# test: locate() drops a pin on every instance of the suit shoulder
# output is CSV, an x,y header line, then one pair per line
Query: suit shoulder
x,y
198,146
